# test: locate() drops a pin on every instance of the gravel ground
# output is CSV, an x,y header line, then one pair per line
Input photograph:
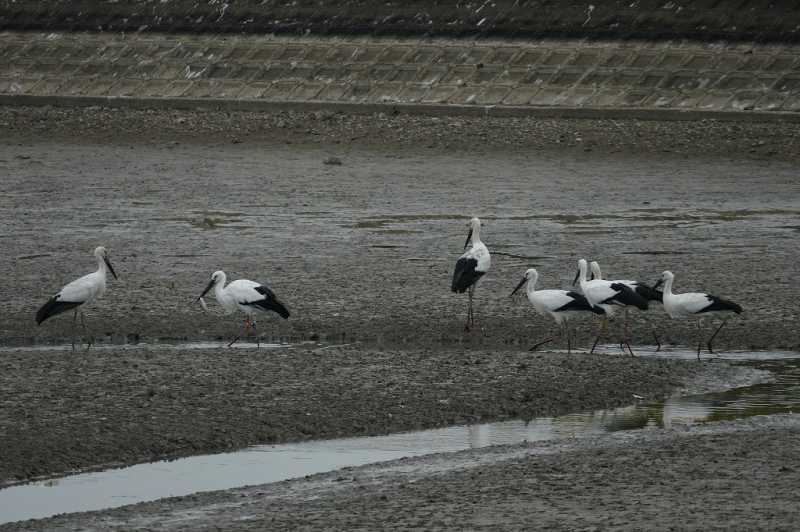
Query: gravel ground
x,y
362,251
430,134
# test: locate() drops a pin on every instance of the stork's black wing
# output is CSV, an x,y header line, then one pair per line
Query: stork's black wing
x,y
649,293
720,305
626,296
269,302
578,303
465,274
52,307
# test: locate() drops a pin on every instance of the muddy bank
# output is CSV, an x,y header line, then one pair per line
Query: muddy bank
x,y
739,475
64,412
365,249
361,250
426,134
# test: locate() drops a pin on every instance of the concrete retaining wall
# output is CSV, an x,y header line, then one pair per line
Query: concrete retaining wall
x,y
550,73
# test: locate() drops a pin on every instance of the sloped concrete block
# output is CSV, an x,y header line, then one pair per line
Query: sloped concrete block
x,y
333,92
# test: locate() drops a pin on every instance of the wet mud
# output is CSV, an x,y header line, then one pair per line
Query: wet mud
x,y
728,475
362,253
66,412
365,250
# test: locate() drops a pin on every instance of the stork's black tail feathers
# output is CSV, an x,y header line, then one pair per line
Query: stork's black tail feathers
x,y
721,305
271,302
649,293
52,308
626,296
275,305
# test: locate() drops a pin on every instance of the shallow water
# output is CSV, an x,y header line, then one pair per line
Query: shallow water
x,y
80,348
272,463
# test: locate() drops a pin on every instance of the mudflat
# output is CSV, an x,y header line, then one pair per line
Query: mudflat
x,y
356,222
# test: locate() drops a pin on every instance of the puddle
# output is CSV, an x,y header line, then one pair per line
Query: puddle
x,y
81,347
668,217
396,231
272,463
655,252
520,256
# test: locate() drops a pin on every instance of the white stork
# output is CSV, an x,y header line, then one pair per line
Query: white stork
x,y
80,291
695,304
607,295
246,296
471,266
649,293
559,304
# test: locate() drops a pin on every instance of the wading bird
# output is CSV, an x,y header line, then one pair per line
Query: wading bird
x,y
80,291
607,295
649,293
247,296
559,304
471,266
695,304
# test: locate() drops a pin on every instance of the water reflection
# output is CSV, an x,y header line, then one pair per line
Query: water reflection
x,y
272,463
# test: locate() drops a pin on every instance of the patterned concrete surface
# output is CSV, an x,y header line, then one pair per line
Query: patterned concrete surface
x,y
700,20
570,74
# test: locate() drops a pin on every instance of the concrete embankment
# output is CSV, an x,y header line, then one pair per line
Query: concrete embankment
x,y
550,76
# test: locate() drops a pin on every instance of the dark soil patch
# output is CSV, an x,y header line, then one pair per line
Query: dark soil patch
x,y
644,19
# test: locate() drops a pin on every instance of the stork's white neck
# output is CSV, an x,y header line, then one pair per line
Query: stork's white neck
x,y
596,271
531,286
667,291
219,287
101,265
582,278
476,234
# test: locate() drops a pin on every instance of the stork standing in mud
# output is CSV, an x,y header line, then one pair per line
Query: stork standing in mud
x,y
471,266
79,292
649,293
697,304
559,304
246,296
607,295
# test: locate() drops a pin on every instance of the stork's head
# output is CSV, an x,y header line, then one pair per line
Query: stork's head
x,y
666,275
594,267
102,254
581,273
218,277
531,275
474,226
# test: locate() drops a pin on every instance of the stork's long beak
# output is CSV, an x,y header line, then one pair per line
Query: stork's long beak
x,y
208,287
522,282
577,274
658,283
110,267
469,236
